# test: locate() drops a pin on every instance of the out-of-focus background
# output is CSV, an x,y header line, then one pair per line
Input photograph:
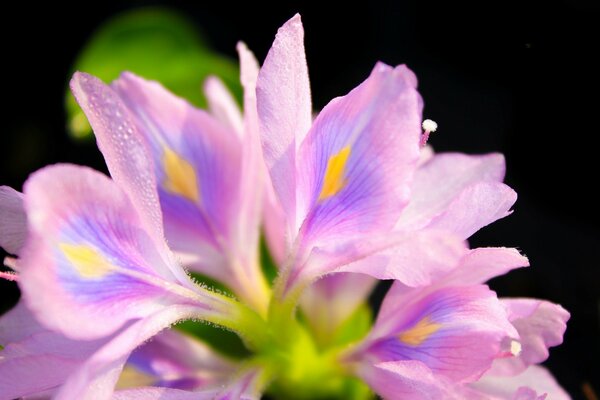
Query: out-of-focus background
x,y
518,78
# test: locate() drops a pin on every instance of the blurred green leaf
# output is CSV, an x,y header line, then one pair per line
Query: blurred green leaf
x,y
156,44
223,341
269,268
355,327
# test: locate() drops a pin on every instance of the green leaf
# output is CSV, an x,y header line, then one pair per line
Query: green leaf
x,y
156,44
355,327
269,268
223,341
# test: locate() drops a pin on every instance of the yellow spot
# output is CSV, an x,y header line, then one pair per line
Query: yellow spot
x,y
86,260
420,332
132,378
180,176
334,180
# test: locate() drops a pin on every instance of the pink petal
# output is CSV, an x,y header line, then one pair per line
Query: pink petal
x,y
405,379
535,383
475,207
161,393
375,131
473,267
97,377
540,324
457,332
246,385
285,111
485,263
88,266
202,213
417,259
35,359
210,213
13,228
222,105
331,300
179,361
275,226
253,173
272,212
124,149
438,182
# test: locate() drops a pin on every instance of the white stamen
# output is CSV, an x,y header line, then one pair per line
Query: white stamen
x,y
429,125
515,348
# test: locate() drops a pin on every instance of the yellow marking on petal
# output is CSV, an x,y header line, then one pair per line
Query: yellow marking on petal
x,y
88,262
420,332
132,378
180,176
335,180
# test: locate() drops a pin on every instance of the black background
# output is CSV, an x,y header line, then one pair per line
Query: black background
x,y
519,78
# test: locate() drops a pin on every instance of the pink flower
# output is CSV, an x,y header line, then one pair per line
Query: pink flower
x,y
350,198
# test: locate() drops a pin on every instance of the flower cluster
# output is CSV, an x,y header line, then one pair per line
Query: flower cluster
x,y
346,198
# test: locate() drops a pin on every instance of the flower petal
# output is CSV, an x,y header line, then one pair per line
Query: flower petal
x,y
125,151
417,259
485,263
285,111
161,393
13,228
247,384
196,167
457,332
331,300
439,181
475,207
222,105
35,359
404,380
178,361
535,383
356,164
97,377
89,266
540,324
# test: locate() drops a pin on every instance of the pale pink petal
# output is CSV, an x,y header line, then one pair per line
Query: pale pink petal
x,y
273,215
330,301
535,383
540,324
196,168
35,359
173,359
457,332
88,266
438,182
426,154
253,174
96,378
485,263
204,173
417,259
41,362
356,164
222,105
18,324
473,267
247,384
13,221
161,393
285,111
406,380
475,207
125,151
275,226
